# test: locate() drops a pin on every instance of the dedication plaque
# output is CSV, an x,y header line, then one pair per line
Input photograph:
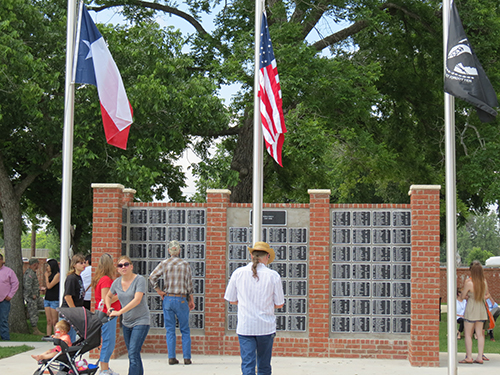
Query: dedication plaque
x,y
370,271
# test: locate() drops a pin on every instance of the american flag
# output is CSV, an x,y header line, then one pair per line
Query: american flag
x,y
271,111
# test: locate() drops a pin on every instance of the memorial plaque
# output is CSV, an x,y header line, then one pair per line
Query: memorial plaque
x,y
401,218
138,216
401,254
381,325
157,216
381,307
341,324
232,308
361,307
151,266
124,216
124,248
196,234
401,272
196,217
138,234
341,306
182,253
341,289
361,236
381,218
196,321
361,219
140,267
283,285
155,303
177,233
195,251
360,324
238,235
401,307
296,323
176,216
156,320
341,219
380,289
297,252
235,265
401,290
341,271
381,272
297,270
360,254
157,234
197,269
199,303
279,267
341,236
382,236
270,217
280,252
297,235
361,289
401,236
296,305
361,271
155,251
276,235
341,254
381,254
232,321
138,250
238,252
199,286
280,322
401,325
297,288
124,233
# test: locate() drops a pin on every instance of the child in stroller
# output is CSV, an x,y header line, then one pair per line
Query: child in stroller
x,y
69,361
62,329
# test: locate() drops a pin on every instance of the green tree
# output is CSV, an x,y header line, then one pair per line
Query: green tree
x,y
480,231
478,254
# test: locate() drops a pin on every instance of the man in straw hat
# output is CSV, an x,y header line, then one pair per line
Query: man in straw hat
x,y
257,290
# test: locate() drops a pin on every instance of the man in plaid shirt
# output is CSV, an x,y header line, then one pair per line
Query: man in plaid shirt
x,y
177,296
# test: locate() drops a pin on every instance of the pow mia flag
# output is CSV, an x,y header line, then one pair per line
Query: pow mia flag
x,y
464,77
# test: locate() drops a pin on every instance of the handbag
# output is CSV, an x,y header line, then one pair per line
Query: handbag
x,y
490,317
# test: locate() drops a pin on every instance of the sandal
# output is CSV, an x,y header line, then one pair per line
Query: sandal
x,y
478,362
485,358
465,361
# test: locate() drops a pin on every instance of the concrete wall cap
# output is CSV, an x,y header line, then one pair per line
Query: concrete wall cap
x,y
319,191
129,190
218,191
423,187
107,186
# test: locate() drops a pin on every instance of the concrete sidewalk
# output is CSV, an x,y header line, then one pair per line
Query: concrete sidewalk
x,y
230,365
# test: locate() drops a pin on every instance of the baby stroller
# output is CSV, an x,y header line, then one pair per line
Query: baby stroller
x,y
88,326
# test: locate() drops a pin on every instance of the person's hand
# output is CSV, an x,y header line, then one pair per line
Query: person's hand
x,y
191,305
161,293
114,313
34,297
8,298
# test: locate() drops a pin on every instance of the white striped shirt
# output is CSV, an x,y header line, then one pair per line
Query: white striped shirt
x,y
256,299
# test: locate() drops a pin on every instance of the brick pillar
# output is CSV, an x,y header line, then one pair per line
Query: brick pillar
x,y
109,200
319,272
215,276
423,348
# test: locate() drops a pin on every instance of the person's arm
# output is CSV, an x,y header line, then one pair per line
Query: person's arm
x,y
191,302
135,302
69,300
153,279
14,285
114,297
108,298
54,281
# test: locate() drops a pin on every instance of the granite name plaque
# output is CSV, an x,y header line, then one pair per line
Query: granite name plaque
x,y
157,234
296,323
280,252
156,319
271,217
341,254
341,324
196,320
196,234
381,289
341,271
361,254
401,218
401,325
381,254
361,289
138,250
361,236
177,234
297,252
176,217
238,252
297,270
195,251
238,235
341,236
341,289
361,218
138,216
381,218
341,306
381,307
297,235
296,305
155,251
297,288
341,219
196,217
361,307
381,325
361,324
138,234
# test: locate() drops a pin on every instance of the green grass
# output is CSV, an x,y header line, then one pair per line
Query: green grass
x,y
489,346
8,351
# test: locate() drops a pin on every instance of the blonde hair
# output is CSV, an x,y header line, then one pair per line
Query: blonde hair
x,y
256,255
63,326
105,267
77,258
125,257
477,277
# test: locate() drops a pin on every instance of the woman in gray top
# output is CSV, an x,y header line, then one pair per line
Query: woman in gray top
x,y
131,290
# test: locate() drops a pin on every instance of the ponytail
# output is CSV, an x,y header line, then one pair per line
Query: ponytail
x,y
256,255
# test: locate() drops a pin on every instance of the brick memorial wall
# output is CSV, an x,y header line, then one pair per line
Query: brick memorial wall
x,y
360,280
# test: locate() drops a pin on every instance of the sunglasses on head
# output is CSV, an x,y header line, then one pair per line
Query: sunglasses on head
x,y
126,264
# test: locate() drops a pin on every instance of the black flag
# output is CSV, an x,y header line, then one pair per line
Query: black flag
x,y
464,76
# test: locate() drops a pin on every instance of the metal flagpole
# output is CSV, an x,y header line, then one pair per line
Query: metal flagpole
x,y
451,196
67,172
258,163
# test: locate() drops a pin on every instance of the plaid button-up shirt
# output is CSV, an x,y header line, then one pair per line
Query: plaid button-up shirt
x,y
176,273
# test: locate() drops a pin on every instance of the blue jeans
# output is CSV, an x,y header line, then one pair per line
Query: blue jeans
x,y
108,335
172,307
256,349
52,304
4,320
134,338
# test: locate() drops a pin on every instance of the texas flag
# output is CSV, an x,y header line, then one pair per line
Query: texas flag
x,y
96,66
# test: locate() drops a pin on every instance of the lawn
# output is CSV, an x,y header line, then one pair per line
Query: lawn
x,y
7,351
489,346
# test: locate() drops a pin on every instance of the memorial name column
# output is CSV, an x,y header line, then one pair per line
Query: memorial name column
x,y
215,285
423,349
319,275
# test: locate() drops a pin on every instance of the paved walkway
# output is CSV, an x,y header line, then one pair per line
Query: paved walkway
x,y
230,365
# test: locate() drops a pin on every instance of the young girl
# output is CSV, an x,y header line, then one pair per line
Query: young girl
x,y
74,292
51,301
62,329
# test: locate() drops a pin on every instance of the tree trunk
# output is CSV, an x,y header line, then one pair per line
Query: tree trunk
x,y
243,163
33,239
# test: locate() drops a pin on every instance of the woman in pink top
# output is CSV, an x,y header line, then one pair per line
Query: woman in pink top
x,y
101,282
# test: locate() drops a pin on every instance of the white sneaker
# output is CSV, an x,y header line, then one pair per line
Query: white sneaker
x,y
111,372
105,372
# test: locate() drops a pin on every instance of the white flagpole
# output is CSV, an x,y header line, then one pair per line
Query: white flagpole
x,y
67,173
451,196
258,163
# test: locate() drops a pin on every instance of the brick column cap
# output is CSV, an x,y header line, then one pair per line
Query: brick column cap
x,y
108,186
218,191
129,191
319,191
423,187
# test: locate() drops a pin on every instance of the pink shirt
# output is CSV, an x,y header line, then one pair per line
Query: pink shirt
x,y
8,283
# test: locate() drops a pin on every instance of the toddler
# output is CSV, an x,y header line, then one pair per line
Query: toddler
x,y
62,329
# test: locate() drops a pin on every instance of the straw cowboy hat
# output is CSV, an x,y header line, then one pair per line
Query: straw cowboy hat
x,y
263,246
